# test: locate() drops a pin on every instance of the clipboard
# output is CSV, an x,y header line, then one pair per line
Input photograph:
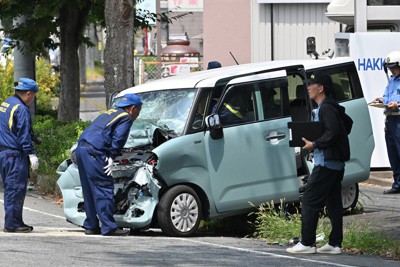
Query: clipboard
x,y
377,105
310,130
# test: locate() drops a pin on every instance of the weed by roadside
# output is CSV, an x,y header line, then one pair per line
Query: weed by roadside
x,y
275,225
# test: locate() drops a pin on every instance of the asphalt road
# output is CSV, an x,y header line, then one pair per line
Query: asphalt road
x,y
92,100
54,242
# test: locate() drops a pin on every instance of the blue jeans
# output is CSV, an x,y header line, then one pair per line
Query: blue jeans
x,y
392,137
323,188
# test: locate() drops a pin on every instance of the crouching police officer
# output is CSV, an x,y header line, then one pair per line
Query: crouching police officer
x,y
15,149
97,148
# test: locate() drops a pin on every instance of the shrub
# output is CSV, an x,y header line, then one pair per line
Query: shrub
x,y
6,80
58,137
47,81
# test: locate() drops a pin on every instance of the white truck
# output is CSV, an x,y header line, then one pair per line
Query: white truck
x,y
368,50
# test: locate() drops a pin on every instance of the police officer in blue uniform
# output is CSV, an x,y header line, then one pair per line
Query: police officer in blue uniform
x,y
391,99
15,149
97,148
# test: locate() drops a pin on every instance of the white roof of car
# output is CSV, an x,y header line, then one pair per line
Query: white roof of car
x,y
208,78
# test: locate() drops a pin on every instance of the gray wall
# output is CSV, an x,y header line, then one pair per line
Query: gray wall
x,y
282,33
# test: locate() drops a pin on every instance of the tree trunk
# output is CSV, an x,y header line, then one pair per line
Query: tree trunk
x,y
118,52
72,20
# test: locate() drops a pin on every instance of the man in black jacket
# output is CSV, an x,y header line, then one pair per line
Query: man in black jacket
x,y
323,187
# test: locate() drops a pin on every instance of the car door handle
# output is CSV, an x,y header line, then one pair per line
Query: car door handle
x,y
274,136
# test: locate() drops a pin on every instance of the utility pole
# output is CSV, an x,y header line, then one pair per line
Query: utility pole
x,y
360,16
158,11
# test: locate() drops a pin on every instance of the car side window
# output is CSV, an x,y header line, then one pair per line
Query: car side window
x,y
237,107
341,86
203,109
275,98
345,83
271,102
297,98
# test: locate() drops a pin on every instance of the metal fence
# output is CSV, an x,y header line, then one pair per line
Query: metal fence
x,y
148,71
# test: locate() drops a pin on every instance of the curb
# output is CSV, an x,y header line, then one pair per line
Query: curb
x,y
381,178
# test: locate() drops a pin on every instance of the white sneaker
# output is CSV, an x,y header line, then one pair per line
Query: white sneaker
x,y
301,249
328,249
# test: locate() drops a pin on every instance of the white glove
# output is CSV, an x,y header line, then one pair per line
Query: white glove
x,y
34,161
108,168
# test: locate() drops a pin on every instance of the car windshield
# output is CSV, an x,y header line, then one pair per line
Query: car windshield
x,y
167,110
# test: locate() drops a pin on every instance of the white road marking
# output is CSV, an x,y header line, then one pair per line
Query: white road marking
x,y
41,212
265,253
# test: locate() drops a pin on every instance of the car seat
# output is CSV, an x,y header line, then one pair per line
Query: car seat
x,y
298,107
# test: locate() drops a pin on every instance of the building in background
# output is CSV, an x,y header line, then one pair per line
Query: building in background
x,y
262,30
191,24
249,30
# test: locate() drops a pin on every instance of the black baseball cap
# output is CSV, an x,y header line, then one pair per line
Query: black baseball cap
x,y
321,78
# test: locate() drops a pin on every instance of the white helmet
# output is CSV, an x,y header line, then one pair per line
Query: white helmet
x,y
392,60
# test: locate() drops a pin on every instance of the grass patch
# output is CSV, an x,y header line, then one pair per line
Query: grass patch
x,y
276,225
359,239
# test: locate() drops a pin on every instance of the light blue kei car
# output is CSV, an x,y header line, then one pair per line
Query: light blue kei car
x,y
185,161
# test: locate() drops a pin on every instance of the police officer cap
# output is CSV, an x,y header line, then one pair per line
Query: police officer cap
x,y
213,65
129,99
26,84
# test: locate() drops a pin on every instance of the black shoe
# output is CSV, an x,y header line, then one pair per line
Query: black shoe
x,y
118,232
392,191
31,227
21,229
94,231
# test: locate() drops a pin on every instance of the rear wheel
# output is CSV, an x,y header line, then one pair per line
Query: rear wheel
x,y
349,196
179,211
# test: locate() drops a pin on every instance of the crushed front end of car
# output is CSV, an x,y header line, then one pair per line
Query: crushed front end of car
x,y
136,186
135,189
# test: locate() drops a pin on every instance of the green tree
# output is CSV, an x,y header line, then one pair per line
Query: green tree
x,y
67,19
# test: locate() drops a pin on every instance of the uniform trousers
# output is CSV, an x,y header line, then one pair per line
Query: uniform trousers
x,y
14,173
98,189
392,137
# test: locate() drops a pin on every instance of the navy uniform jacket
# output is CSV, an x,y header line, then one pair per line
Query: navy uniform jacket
x,y
15,125
109,131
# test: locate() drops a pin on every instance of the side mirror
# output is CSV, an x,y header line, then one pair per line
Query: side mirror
x,y
310,45
214,124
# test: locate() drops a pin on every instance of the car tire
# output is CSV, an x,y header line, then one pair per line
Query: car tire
x,y
349,196
179,211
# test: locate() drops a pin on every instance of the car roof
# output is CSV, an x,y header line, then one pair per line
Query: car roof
x,y
209,78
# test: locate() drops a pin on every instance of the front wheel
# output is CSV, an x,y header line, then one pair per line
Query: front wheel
x,y
349,196
179,211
